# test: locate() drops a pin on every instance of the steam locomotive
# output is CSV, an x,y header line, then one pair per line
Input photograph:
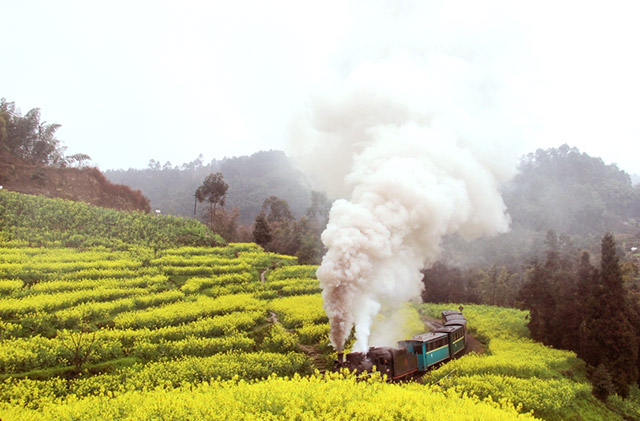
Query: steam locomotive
x,y
415,355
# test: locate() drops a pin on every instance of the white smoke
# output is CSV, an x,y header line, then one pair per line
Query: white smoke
x,y
411,186
413,143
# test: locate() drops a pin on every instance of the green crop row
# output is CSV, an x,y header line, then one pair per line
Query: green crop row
x,y
9,286
297,271
193,285
41,255
27,393
192,345
25,354
186,311
102,313
329,397
38,221
261,259
13,307
294,286
59,286
8,269
190,251
193,260
298,310
206,270
206,327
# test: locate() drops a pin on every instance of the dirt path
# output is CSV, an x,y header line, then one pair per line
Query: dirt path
x,y
319,361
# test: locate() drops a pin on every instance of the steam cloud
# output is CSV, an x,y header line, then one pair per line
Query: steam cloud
x,y
416,146
411,186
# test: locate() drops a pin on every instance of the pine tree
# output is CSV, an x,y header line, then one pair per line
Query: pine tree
x,y
602,382
535,295
607,336
261,230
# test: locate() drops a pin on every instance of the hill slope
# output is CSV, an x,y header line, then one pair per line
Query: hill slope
x,y
39,221
78,184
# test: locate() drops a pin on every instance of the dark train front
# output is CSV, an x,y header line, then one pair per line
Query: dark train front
x,y
413,355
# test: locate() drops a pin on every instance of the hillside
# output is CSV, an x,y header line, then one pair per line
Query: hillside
x,y
177,332
39,221
32,161
79,184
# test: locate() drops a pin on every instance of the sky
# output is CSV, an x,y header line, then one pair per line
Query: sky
x,y
131,81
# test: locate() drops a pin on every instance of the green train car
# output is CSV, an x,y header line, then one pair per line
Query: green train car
x,y
435,347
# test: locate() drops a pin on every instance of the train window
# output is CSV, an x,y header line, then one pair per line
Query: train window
x,y
417,349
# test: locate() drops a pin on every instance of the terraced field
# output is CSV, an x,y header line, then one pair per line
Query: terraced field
x,y
68,310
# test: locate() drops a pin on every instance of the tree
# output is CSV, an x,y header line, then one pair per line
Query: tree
x,y
261,230
607,336
319,208
214,191
588,196
80,343
28,137
78,160
496,286
278,210
305,242
535,295
285,237
602,383
226,224
443,284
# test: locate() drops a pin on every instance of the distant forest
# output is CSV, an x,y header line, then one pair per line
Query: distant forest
x,y
561,189
577,196
252,179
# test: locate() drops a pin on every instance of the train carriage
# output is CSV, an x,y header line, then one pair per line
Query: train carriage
x,y
430,348
456,338
449,315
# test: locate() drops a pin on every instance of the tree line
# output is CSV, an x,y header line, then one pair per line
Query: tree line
x,y
593,311
574,305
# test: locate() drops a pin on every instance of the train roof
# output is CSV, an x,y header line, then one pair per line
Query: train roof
x,y
450,312
448,329
427,337
456,322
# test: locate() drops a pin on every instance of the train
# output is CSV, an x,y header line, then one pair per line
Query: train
x,y
412,356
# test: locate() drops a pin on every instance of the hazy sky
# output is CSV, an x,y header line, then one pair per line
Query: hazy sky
x,y
134,80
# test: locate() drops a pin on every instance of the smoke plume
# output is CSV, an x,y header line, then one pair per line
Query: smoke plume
x,y
411,143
